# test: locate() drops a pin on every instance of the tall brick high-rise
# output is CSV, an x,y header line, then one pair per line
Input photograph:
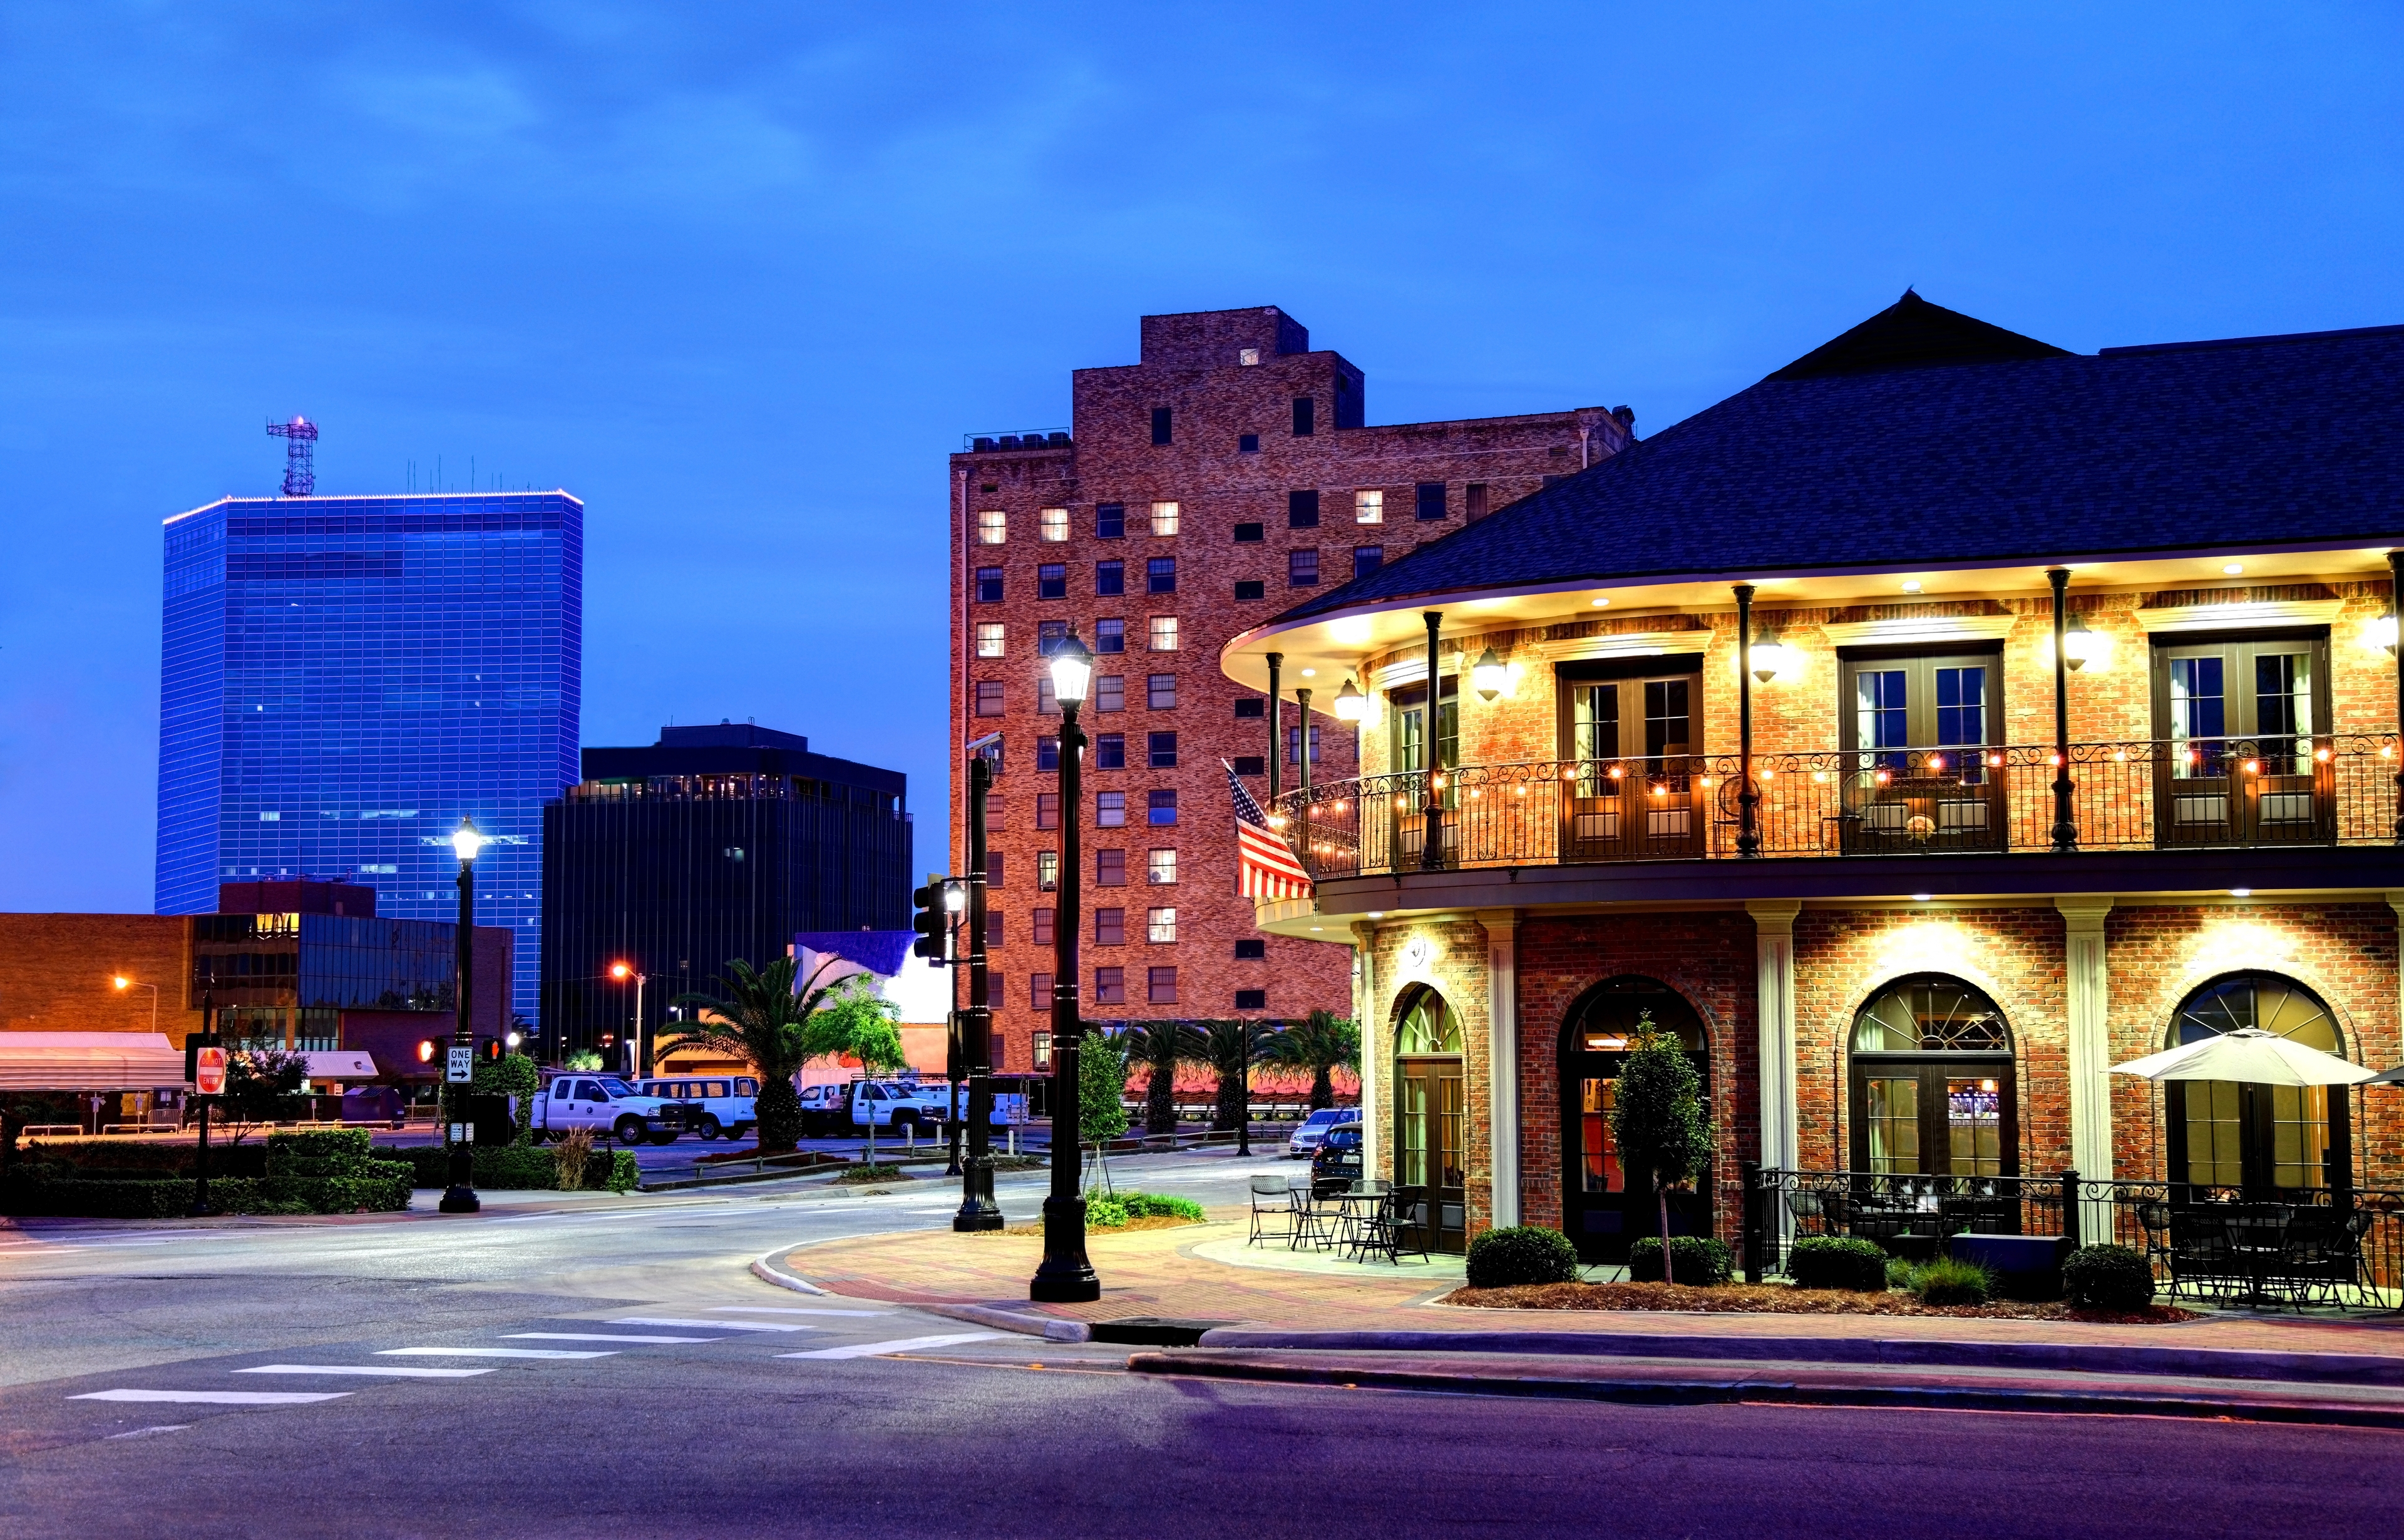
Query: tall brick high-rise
x,y
1200,491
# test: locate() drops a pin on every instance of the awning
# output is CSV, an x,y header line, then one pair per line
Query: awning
x,y
339,1064
88,1061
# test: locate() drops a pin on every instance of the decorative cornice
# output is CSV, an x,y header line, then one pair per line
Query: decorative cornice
x,y
1621,644
1918,628
2246,616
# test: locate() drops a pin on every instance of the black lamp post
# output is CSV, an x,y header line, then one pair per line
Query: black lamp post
x,y
1065,1277
460,1197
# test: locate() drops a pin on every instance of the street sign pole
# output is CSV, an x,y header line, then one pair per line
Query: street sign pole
x,y
208,1080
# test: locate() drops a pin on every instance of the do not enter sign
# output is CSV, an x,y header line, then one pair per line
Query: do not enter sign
x,y
209,1071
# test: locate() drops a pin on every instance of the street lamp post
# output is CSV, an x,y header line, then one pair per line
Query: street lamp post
x,y
460,1197
124,982
1065,1277
622,972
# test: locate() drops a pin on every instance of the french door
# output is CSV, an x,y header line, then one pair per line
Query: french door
x,y
1952,1116
1917,731
2243,763
1635,788
1431,1148
1420,753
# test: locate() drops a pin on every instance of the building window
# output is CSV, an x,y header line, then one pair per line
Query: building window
x,y
1250,534
1160,425
1038,997
1367,559
1160,692
1162,869
989,638
1251,708
1110,926
994,928
1476,510
1247,443
1110,693
993,862
1047,702
1306,416
1369,506
2290,1140
1109,578
1050,635
1160,926
1164,633
1039,928
1109,868
1052,524
1109,521
1110,987
992,526
1052,580
1042,1040
1293,745
1160,807
1251,949
1110,750
1161,753
988,586
1047,753
1302,511
1251,999
1047,871
989,697
1431,500
1248,357
1164,518
1932,1083
1252,765
1109,809
1251,588
1301,569
1110,636
1047,809
1161,986
1160,575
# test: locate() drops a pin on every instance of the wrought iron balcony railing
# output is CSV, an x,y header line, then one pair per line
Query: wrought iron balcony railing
x,y
2325,790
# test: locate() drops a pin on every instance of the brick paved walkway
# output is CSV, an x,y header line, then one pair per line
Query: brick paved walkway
x,y
1153,1272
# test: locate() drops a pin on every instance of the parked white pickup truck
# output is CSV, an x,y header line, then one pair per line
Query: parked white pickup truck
x,y
606,1105
850,1106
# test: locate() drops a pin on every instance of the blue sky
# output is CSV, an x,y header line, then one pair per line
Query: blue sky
x,y
741,276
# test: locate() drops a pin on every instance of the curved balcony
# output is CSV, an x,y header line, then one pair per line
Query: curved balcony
x,y
2220,793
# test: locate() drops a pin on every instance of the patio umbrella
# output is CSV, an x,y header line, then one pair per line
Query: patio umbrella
x,y
2387,1077
2250,1054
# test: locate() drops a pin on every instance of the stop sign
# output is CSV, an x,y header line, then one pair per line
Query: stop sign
x,y
210,1080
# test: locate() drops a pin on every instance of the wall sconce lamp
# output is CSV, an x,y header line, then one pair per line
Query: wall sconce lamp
x,y
1489,676
1350,705
1772,658
2382,634
2082,646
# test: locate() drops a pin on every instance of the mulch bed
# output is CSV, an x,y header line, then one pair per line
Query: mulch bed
x,y
1781,1299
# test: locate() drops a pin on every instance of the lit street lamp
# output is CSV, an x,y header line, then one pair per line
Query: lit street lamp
x,y
124,982
460,1197
1065,1277
622,972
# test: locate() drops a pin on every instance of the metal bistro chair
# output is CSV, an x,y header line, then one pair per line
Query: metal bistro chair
x,y
1361,1223
1396,1225
1311,1222
1270,1203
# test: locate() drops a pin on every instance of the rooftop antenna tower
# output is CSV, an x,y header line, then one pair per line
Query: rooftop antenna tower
x,y
299,456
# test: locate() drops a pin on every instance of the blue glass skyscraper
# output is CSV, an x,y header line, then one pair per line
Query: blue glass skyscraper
x,y
343,679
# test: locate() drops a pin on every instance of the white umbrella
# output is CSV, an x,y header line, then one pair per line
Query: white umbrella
x,y
2251,1055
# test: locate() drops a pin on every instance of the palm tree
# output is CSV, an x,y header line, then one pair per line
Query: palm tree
x,y
1162,1047
1321,1044
759,1017
1231,1048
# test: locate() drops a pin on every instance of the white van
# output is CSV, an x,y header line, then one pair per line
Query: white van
x,y
714,1104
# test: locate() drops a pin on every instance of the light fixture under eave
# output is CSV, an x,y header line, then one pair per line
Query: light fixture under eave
x,y
1911,585
2082,646
2381,633
1772,658
1602,604
2232,569
1489,676
1350,705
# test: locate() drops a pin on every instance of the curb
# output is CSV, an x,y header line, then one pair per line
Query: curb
x,y
764,1269
2090,1358
1748,1390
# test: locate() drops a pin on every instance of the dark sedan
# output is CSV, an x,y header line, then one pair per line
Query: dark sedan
x,y
1335,1165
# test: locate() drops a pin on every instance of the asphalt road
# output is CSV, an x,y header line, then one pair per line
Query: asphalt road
x,y
368,1375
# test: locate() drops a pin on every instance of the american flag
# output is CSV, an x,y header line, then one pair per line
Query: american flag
x,y
1266,864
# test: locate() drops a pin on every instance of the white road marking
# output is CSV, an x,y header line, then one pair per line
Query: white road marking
x,y
218,1398
379,1370
145,1433
721,1325
489,1352
905,1344
793,1309
605,1337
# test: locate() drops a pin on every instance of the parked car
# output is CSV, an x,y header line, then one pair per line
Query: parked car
x,y
606,1104
713,1105
1307,1134
850,1106
1336,1163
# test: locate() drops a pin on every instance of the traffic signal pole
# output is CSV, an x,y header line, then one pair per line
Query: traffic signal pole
x,y
978,1210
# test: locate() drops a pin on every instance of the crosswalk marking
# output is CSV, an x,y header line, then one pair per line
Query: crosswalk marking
x,y
381,1370
218,1398
792,1309
605,1337
721,1325
905,1344
490,1352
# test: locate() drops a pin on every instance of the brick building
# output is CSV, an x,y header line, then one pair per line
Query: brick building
x,y
1782,775
1198,492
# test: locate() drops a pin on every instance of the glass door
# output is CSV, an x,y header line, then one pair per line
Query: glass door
x,y
1430,1147
1420,769
1599,1215
2244,765
1635,772
1918,730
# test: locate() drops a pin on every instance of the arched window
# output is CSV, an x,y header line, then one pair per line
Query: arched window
x,y
1430,1119
1428,1027
2224,1134
1932,1089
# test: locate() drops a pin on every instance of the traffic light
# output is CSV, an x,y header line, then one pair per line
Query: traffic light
x,y
931,922
426,1050
490,1050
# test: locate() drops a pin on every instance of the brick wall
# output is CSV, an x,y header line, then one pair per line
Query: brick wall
x,y
55,973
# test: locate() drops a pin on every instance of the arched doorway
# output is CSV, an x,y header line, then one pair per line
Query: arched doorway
x,y
1932,1089
1430,1122
1600,1215
2259,1139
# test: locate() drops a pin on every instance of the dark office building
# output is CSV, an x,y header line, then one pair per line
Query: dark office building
x,y
713,844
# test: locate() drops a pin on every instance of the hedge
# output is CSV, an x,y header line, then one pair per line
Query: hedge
x,y
517,1167
107,1159
1837,1262
2108,1277
1699,1259
381,1187
1521,1254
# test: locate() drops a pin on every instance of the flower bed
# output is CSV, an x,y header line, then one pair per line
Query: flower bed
x,y
1780,1299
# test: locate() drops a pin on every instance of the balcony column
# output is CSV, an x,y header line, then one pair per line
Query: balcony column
x,y
2065,823
1502,1059
1748,796
1432,833
1372,1022
1277,732
2395,649
1773,944
2090,1031
1301,751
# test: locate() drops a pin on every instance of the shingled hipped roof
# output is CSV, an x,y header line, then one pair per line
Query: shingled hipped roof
x,y
1926,438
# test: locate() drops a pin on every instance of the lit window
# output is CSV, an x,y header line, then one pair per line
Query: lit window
x,y
1052,524
1043,1040
1164,633
1369,506
1163,868
1161,925
1164,518
992,526
1047,870
988,634
1247,356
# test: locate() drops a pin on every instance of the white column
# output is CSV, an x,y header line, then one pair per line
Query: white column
x,y
1503,1057
2090,1034
1773,946
1371,1021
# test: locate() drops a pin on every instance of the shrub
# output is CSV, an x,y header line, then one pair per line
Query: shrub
x,y
515,1167
380,1187
1159,1206
1521,1254
571,1157
1837,1262
1104,1214
1949,1282
1695,1259
331,1151
2108,1277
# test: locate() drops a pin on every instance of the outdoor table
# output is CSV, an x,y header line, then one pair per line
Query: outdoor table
x,y
2258,1241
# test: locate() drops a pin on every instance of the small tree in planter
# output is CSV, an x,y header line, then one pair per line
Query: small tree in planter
x,y
1658,1119
1101,1092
